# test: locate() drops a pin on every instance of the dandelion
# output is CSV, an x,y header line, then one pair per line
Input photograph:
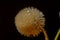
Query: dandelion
x,y
30,21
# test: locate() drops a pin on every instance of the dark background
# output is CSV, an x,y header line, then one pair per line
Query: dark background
x,y
9,9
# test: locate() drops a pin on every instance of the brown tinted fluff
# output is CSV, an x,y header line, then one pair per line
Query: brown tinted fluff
x,y
30,21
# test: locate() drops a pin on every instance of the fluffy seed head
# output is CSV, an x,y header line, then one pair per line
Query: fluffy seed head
x,y
28,21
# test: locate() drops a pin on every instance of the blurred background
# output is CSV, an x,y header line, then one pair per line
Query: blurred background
x,y
9,9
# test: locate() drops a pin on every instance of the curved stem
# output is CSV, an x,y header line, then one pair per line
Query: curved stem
x,y
45,34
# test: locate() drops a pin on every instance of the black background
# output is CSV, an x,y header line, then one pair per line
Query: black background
x,y
9,9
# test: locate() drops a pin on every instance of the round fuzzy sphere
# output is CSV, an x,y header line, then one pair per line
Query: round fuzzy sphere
x,y
28,21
